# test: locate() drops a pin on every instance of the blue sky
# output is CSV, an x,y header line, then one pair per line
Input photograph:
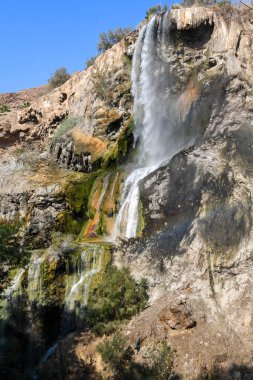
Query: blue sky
x,y
39,36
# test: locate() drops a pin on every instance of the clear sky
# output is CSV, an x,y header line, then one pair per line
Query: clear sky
x,y
39,36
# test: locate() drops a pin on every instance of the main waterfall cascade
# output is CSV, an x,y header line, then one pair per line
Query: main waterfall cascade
x,y
157,138
158,132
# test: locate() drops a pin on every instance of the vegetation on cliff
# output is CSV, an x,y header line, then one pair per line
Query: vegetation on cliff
x,y
116,298
112,37
12,253
59,77
118,355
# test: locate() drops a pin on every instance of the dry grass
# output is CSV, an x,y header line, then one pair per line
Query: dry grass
x,y
84,143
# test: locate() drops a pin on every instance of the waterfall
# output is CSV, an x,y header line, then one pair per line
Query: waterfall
x,y
13,291
35,278
79,275
158,130
9,298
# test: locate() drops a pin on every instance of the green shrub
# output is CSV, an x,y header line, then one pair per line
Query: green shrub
x,y
161,361
4,108
58,78
64,128
116,354
25,105
110,38
116,298
103,86
11,251
156,10
119,357
91,61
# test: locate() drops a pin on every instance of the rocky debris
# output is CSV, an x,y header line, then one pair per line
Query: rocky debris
x,y
177,317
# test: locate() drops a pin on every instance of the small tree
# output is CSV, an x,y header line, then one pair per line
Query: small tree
x,y
4,108
155,10
162,361
117,297
116,354
110,38
58,78
90,61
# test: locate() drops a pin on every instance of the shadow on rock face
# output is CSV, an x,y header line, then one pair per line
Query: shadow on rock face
x,y
225,225
241,145
178,204
194,38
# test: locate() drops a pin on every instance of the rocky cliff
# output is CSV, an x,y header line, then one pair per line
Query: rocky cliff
x,y
195,210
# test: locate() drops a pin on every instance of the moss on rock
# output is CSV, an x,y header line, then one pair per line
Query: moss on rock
x,y
118,150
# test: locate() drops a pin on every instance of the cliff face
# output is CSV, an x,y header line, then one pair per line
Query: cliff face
x,y
97,105
196,243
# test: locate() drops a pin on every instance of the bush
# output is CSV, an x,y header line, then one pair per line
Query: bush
x,y
110,38
4,108
58,78
11,251
64,128
25,105
102,85
161,360
156,10
91,61
116,354
116,298
119,357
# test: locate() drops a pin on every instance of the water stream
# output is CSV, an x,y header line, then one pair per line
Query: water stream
x,y
80,270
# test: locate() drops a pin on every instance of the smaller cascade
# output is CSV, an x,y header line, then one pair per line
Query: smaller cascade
x,y
49,353
13,291
16,286
103,206
35,278
9,297
80,271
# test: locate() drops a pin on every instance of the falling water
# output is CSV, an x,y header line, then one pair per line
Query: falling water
x,y
14,290
9,296
35,278
83,268
15,287
156,112
126,223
